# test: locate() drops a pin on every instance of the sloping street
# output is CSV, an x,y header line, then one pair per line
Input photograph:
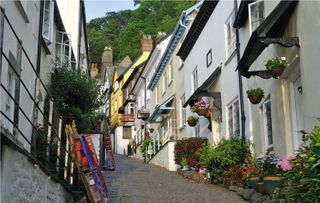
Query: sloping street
x,y
135,182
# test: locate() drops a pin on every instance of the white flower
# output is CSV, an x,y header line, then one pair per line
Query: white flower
x,y
283,58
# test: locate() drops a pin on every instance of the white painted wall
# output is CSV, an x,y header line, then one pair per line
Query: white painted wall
x,y
121,144
26,182
165,157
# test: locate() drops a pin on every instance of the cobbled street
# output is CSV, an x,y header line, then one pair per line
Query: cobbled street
x,y
135,182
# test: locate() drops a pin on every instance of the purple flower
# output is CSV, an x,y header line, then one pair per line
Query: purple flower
x,y
275,160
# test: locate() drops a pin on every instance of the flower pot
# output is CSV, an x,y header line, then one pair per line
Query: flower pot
x,y
253,182
255,99
151,130
277,71
192,122
201,112
271,183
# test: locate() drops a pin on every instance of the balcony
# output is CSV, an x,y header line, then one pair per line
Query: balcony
x,y
127,118
143,114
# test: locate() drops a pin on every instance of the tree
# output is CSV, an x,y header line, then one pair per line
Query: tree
x,y
122,30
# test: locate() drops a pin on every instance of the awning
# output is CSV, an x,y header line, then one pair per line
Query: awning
x,y
203,89
162,109
272,27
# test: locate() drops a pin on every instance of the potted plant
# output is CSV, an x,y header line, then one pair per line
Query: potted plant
x,y
192,120
151,130
184,164
276,66
272,169
252,172
200,107
255,95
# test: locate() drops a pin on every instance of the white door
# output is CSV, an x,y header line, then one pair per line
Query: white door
x,y
297,113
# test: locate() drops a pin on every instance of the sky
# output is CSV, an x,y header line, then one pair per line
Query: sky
x,y
98,8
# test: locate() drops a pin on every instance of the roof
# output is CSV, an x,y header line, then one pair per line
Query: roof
x,y
205,85
242,14
177,33
199,23
147,61
134,72
273,27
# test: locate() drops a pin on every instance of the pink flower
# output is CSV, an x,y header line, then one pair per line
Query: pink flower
x,y
284,164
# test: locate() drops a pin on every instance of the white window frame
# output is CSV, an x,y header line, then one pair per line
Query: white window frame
x,y
131,109
50,19
194,79
183,115
65,42
265,124
164,83
197,130
250,17
171,73
233,117
230,35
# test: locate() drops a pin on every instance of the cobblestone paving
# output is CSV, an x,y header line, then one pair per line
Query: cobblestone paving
x,y
136,182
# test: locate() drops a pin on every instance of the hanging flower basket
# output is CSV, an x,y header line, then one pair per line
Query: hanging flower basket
x,y
277,71
276,66
202,112
151,130
192,121
255,95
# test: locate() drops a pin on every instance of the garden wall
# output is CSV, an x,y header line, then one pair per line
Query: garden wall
x,y
23,181
165,157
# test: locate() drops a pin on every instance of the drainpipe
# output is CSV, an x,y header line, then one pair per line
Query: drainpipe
x,y
243,116
35,110
79,33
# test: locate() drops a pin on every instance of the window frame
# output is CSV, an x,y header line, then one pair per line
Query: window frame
x,y
49,37
195,79
250,17
164,82
63,44
209,58
183,115
230,35
233,117
171,73
265,124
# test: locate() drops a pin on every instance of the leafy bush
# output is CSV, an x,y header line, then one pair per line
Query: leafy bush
x,y
75,94
187,149
303,180
224,159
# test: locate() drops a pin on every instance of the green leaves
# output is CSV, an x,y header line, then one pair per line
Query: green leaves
x,y
75,94
123,30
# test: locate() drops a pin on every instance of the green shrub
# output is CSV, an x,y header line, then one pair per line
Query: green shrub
x,y
224,159
75,94
144,146
303,180
187,149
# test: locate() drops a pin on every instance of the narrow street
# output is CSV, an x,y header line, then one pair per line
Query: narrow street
x,y
133,181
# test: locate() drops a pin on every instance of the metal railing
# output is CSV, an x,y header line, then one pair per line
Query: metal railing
x,y
45,140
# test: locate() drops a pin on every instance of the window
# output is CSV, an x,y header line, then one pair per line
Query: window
x,y
209,58
233,118
230,35
182,112
47,26
131,108
171,73
194,79
63,49
164,82
266,111
256,14
197,130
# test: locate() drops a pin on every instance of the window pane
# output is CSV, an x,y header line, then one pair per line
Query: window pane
x,y
236,118
230,120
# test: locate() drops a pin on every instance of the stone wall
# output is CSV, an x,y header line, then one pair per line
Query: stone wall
x,y
165,157
23,181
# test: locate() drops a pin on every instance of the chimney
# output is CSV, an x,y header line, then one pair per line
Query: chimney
x,y
107,57
146,43
160,36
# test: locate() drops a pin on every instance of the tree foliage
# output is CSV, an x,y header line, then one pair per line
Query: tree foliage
x,y
123,30
75,94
